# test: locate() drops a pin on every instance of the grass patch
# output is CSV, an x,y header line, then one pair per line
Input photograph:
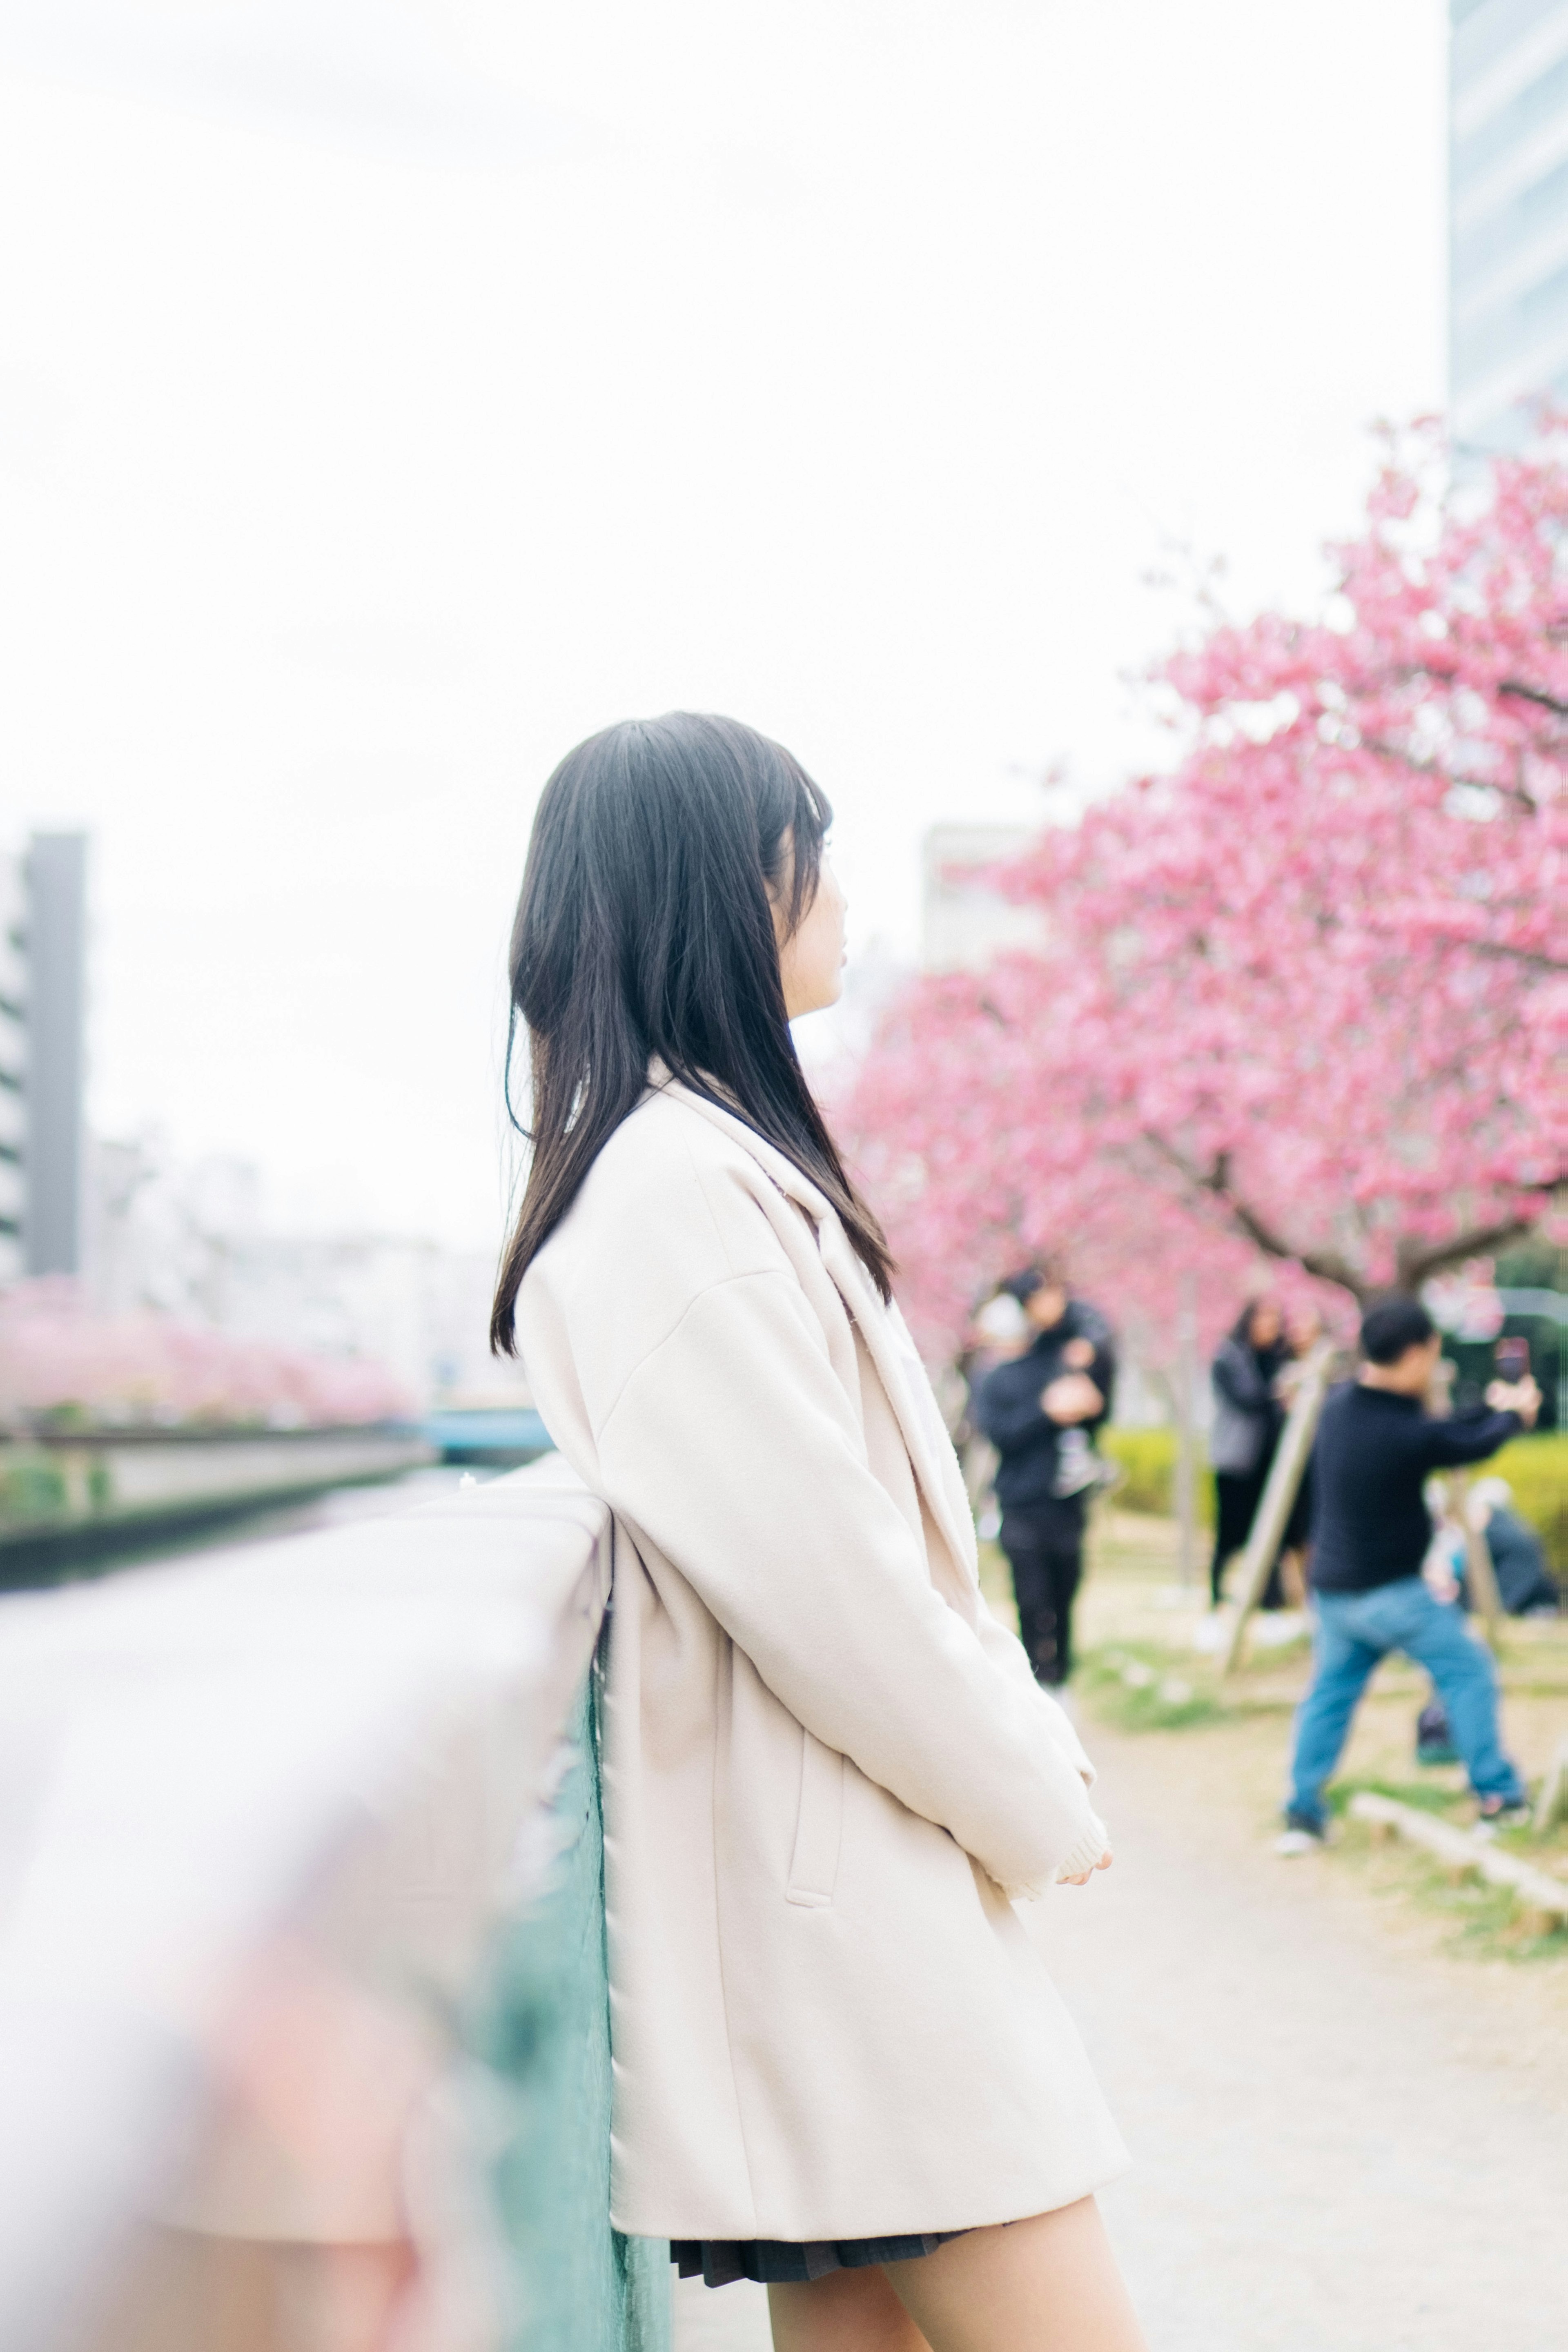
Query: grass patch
x,y
1450,1799
1493,1929
1484,1922
1422,1796
1139,1687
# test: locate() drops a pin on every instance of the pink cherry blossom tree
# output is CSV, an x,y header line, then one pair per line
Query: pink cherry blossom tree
x,y
58,1358
1303,996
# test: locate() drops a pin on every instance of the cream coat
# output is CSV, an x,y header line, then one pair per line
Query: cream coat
x,y
826,1767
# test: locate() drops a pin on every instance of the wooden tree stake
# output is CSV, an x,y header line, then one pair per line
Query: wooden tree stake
x,y
1481,1577
1284,1483
1552,1805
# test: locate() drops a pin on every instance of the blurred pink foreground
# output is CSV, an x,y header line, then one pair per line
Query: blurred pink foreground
x,y
61,1362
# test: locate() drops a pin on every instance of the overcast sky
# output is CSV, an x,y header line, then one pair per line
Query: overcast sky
x,y
391,395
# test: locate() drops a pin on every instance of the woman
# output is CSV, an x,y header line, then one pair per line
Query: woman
x,y
839,2065
1245,1431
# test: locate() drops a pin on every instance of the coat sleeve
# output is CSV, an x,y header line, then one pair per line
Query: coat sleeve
x,y
1006,1653
1237,1381
734,1446
1102,1372
1007,1408
1469,1437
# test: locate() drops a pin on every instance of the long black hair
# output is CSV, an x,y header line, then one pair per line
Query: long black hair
x,y
1241,1329
645,929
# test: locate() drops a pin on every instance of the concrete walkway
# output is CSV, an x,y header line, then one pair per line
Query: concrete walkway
x,y
1342,2142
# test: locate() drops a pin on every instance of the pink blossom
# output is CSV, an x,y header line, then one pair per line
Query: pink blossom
x,y
1306,994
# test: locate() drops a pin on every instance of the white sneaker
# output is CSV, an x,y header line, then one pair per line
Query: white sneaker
x,y
1511,1817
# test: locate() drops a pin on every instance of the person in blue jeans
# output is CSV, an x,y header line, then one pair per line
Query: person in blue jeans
x,y
1370,1532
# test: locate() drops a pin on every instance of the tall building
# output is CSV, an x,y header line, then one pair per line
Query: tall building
x,y
964,919
43,953
1508,217
13,1064
55,1005
189,1241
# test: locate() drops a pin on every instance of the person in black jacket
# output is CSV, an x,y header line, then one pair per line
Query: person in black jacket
x,y
1371,1534
1247,1419
1040,1410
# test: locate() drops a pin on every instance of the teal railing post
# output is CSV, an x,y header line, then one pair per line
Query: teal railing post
x,y
540,2028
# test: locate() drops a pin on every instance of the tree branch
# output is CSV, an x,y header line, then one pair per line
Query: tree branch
x,y
1418,1264
1498,950
1516,688
1542,700
1328,1266
1388,750
1330,924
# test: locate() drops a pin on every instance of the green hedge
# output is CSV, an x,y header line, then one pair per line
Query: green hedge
x,y
1147,1458
1535,1468
32,1488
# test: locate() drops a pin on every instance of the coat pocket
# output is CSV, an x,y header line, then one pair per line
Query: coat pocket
x,y
819,1825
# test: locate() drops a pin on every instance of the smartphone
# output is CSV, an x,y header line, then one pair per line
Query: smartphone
x,y
1512,1358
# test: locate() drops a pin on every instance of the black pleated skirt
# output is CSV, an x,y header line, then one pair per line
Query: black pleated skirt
x,y
774,2262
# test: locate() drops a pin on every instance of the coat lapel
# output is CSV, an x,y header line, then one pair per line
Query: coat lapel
x,y
888,1342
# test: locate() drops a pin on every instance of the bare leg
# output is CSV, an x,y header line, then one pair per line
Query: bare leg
x,y
847,2311
1049,2285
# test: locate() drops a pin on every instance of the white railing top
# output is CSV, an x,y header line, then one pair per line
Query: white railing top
x,y
283,1793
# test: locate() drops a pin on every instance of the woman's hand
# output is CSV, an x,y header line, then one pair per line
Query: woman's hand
x,y
1082,1877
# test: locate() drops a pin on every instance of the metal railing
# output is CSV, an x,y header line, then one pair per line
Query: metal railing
x,y
303,2017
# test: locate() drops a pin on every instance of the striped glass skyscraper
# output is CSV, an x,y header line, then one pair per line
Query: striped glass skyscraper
x,y
43,945
1508,215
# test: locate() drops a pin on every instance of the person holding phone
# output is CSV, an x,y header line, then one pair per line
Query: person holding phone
x,y
1376,1445
1040,1409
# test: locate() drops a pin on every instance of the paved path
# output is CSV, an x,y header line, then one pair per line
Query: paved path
x,y
1342,2144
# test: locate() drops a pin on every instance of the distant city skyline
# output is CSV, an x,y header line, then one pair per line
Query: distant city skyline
x,y
195,1243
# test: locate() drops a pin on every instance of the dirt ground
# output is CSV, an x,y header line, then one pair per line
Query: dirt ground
x,y
1150,1663
1345,2083
1346,2137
